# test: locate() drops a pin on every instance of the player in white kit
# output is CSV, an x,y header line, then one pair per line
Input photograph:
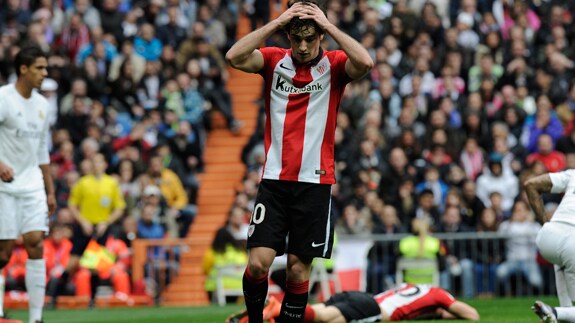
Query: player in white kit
x,y
556,240
406,302
26,187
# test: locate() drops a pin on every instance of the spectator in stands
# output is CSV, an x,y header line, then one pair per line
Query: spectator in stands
x,y
75,34
57,250
520,248
472,206
382,256
173,192
544,122
489,253
96,203
146,44
459,264
353,222
495,180
553,160
137,62
425,209
420,245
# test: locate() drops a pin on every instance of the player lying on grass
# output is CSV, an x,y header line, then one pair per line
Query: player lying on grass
x,y
407,302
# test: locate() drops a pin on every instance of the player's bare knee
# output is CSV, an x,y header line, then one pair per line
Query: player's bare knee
x,y
34,248
257,269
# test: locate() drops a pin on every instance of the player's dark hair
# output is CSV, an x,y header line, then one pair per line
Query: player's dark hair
x,y
27,56
297,25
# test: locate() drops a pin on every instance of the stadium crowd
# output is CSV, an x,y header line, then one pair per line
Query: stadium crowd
x,y
467,100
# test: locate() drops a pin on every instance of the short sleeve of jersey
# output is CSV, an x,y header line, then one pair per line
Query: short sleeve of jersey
x,y
443,298
76,193
118,198
271,56
559,181
337,59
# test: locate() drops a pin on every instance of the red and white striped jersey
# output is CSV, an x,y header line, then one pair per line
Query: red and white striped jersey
x,y
411,301
301,105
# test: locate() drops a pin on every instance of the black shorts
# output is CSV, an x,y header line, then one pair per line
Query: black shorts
x,y
356,306
300,210
80,240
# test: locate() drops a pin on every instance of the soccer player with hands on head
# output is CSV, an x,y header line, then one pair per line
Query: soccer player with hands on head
x,y
303,89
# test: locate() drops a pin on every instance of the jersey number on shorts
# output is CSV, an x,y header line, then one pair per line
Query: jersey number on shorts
x,y
259,214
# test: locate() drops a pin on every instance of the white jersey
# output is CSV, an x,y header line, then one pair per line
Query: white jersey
x,y
23,139
564,182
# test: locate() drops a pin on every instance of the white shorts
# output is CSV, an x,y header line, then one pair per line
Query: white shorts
x,y
556,243
22,213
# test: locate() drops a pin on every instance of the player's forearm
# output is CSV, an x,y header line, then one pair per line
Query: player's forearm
x,y
245,46
536,203
356,53
533,189
48,183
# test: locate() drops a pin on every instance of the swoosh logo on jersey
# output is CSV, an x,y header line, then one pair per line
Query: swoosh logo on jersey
x,y
285,68
313,244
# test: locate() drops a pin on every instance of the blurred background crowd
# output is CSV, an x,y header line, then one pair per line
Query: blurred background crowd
x,y
468,99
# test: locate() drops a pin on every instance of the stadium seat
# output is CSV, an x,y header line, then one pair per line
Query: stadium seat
x,y
221,292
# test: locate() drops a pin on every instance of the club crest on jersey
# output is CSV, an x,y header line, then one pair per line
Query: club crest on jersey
x,y
283,85
41,115
251,230
321,69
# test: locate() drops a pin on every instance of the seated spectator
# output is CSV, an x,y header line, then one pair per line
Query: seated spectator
x,y
425,209
553,160
544,122
173,192
225,250
382,257
495,180
520,249
459,264
102,264
432,181
488,254
57,248
353,222
420,245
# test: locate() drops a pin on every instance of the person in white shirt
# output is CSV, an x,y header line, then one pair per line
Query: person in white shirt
x,y
26,187
556,240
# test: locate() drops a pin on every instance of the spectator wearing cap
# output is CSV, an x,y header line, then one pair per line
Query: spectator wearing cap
x,y
467,38
494,179
49,89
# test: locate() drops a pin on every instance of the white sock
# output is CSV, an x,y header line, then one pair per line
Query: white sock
x,y
566,314
561,286
2,287
36,287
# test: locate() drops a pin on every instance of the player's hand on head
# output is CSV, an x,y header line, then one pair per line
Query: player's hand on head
x,y
312,11
294,11
6,173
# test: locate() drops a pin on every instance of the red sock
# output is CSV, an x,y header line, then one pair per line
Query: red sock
x,y
309,314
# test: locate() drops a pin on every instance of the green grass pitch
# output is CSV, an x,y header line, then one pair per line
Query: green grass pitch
x,y
502,310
